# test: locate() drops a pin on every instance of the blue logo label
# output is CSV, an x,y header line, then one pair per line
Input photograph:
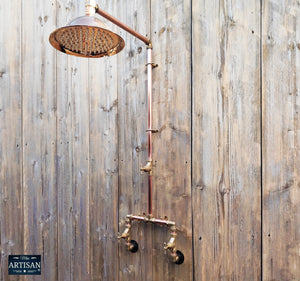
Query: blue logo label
x,y
24,265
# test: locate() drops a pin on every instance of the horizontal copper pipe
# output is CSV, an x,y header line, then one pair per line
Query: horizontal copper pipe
x,y
150,219
123,26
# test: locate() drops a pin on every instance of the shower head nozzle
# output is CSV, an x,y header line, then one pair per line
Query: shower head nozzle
x,y
86,36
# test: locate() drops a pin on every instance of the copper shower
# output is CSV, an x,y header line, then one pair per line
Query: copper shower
x,y
88,37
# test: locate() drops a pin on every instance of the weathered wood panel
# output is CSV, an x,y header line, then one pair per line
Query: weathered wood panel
x,y
39,136
73,140
281,125
64,14
11,196
104,165
132,125
171,36
226,140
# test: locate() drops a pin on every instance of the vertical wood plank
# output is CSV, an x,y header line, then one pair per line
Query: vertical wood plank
x,y
132,122
11,197
226,140
171,37
104,164
39,136
103,170
73,158
80,171
65,13
281,125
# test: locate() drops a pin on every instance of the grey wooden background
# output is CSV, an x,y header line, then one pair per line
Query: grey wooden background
x,y
72,140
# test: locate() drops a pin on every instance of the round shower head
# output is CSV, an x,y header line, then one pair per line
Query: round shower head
x,y
86,37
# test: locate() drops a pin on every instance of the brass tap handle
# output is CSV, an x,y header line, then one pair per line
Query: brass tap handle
x,y
123,236
126,233
148,167
171,244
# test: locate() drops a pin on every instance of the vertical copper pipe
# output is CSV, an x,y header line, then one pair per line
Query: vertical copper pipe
x,y
150,195
149,125
90,7
149,129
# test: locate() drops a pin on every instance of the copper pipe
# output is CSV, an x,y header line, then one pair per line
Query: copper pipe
x,y
150,219
148,167
163,221
149,74
149,129
150,194
122,25
90,7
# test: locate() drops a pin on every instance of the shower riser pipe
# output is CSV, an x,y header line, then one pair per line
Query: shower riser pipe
x,y
149,125
148,167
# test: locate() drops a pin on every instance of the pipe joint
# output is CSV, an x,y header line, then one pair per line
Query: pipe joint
x,y
149,45
148,167
90,7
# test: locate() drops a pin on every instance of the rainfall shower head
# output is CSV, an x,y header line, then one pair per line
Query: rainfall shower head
x,y
86,36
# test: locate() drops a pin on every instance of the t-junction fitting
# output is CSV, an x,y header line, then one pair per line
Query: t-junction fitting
x,y
177,256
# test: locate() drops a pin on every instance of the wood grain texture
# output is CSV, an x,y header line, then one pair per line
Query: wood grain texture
x,y
281,166
72,141
73,124
64,13
226,140
132,125
171,36
104,165
11,196
39,137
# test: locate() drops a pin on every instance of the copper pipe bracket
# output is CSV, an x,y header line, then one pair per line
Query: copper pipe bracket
x,y
176,256
154,65
152,131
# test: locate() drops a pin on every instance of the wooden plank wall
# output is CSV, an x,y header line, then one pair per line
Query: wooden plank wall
x,y
103,165
171,35
280,142
226,167
11,187
132,141
39,136
226,140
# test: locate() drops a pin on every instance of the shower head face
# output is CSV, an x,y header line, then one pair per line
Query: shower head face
x,y
86,37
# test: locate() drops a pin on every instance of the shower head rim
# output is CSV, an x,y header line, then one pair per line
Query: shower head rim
x,y
117,47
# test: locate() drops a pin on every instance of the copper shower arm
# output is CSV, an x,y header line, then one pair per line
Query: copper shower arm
x,y
123,26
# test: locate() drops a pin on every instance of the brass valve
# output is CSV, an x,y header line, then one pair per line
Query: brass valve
x,y
148,167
